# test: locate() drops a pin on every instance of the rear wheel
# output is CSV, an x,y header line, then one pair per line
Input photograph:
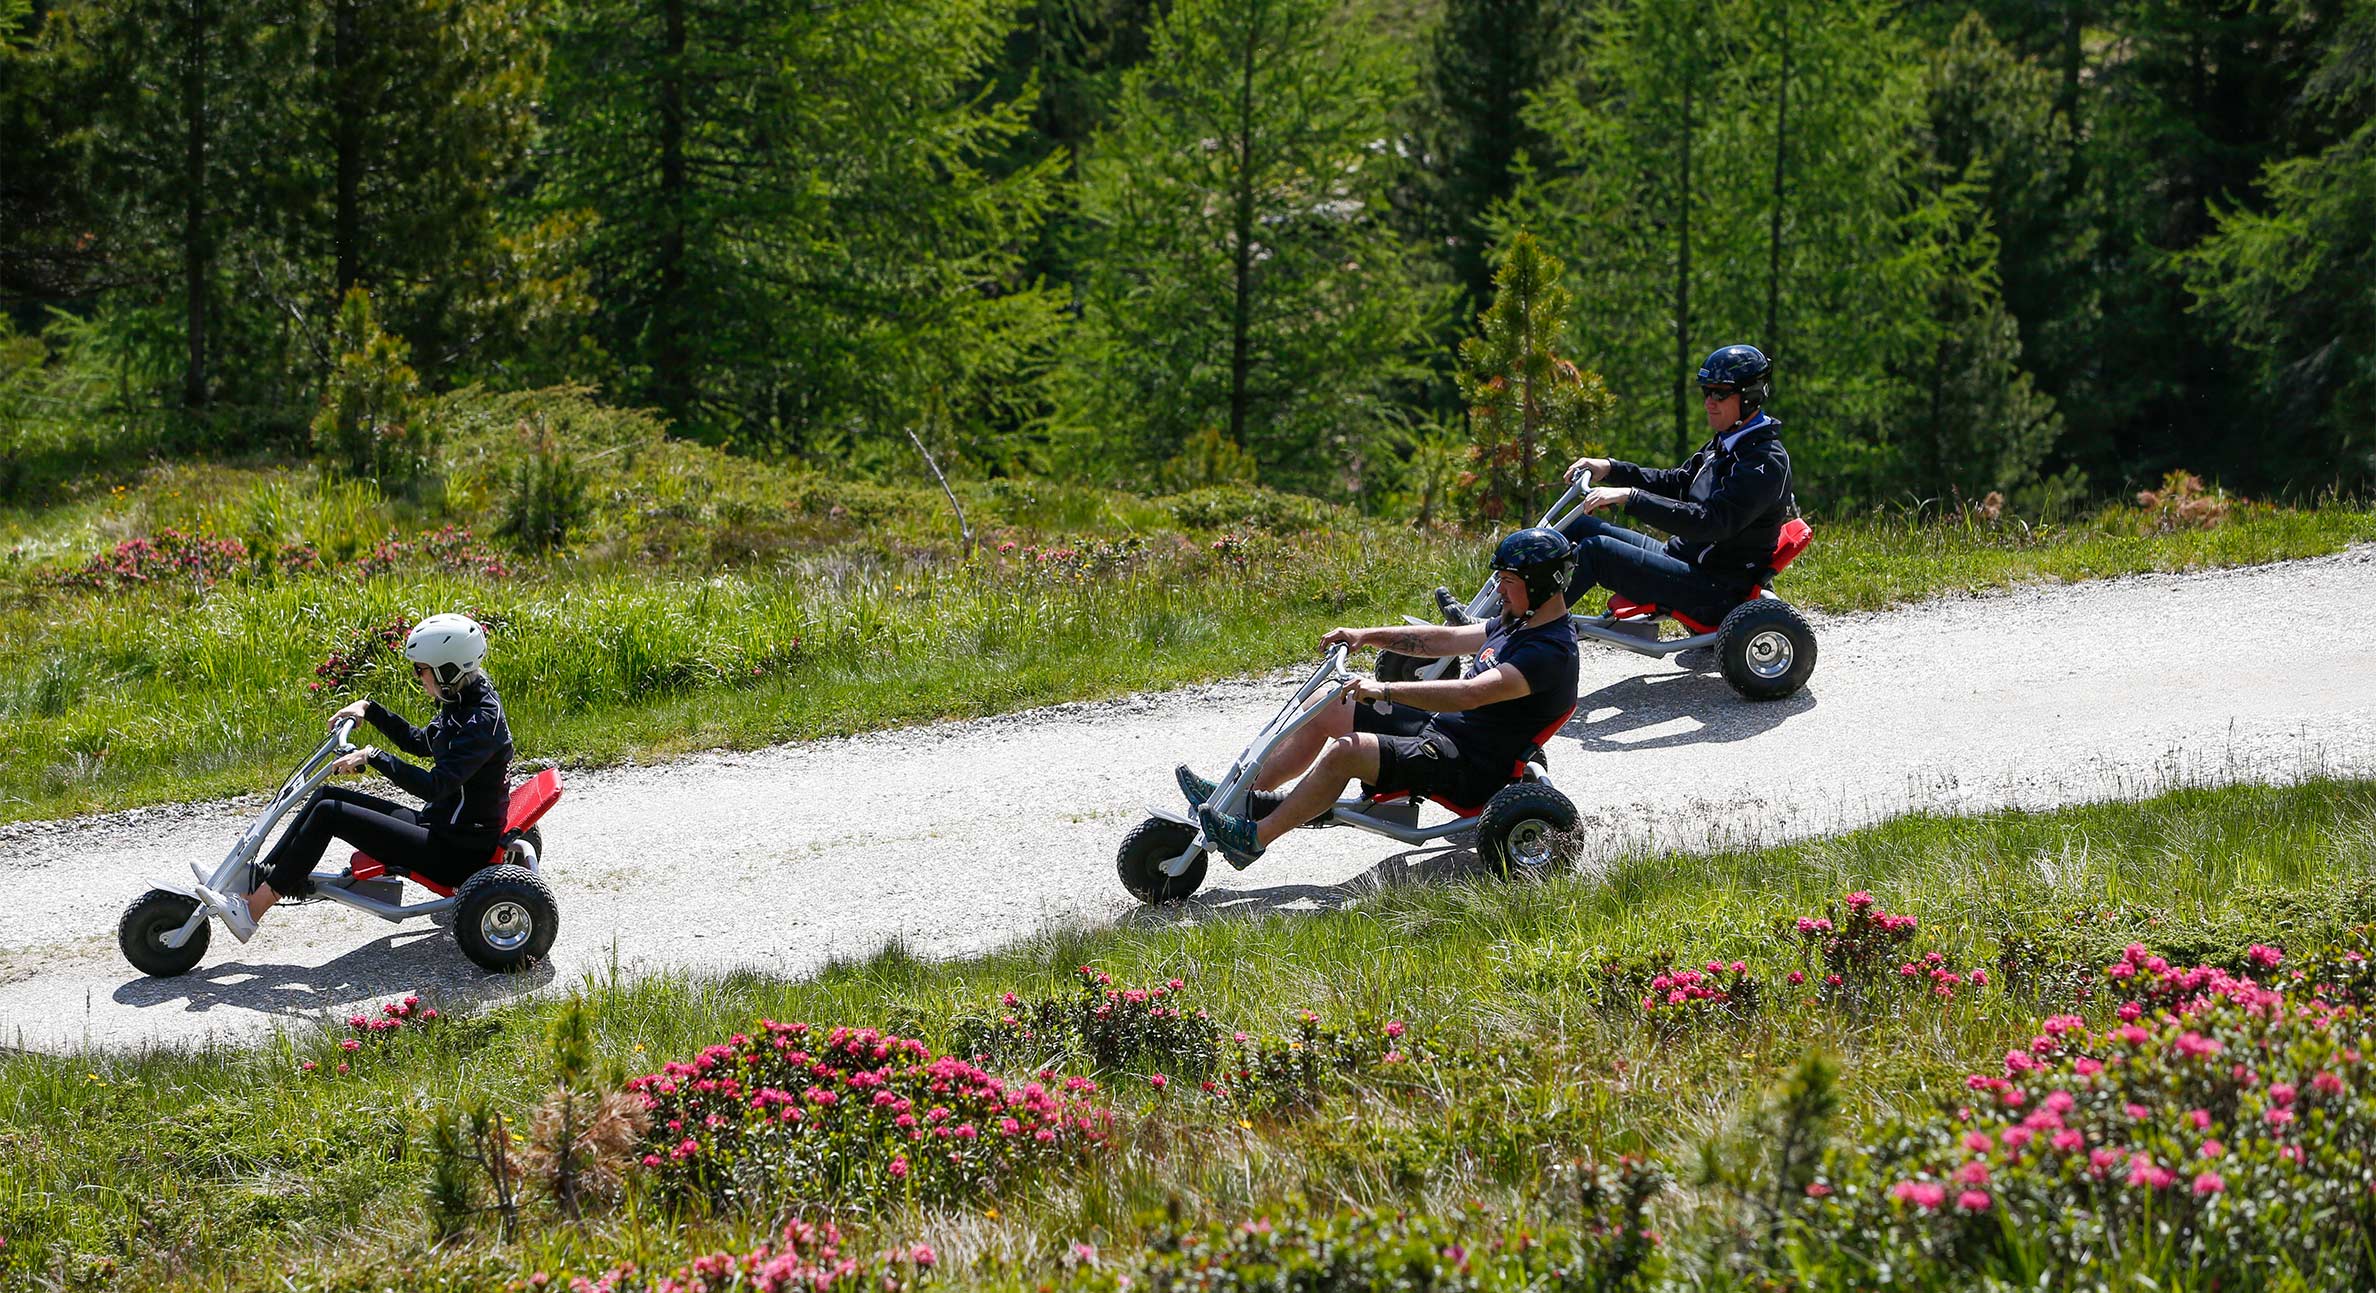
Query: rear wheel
x,y
1765,649
1149,845
505,918
1527,828
153,915
533,837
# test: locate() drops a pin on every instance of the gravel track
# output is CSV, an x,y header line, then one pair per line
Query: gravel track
x,y
960,837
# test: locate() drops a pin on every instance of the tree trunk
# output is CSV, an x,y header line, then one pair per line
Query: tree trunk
x,y
1683,367
197,238
1773,329
346,134
1242,226
672,358
2068,103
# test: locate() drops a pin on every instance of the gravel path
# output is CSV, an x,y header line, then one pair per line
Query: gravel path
x,y
960,837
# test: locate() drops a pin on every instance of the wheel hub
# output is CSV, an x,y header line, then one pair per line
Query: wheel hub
x,y
1770,654
506,926
1530,845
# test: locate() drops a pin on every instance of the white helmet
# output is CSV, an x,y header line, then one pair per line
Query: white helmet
x,y
451,645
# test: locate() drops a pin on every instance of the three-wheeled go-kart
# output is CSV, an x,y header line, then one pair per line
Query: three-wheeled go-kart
x,y
503,916
1525,827
1763,647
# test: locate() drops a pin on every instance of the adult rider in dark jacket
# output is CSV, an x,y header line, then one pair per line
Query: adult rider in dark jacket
x,y
1725,506
468,797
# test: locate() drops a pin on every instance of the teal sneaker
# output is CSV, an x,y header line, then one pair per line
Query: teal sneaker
x,y
1199,790
1234,836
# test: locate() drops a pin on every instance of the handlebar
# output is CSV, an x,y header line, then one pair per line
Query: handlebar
x,y
1575,490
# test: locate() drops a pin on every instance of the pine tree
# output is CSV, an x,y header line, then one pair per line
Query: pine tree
x,y
1242,271
2288,284
795,239
176,139
1486,58
1530,411
1659,188
409,118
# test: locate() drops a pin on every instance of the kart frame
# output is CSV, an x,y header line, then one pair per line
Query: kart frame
x,y
237,875
1397,818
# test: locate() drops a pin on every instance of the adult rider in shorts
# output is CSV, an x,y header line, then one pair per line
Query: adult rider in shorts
x,y
1456,738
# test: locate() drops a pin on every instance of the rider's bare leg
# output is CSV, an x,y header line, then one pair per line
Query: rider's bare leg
x,y
1296,753
1351,757
260,901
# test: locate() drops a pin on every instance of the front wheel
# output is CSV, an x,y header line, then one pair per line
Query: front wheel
x,y
153,915
1527,828
505,918
1765,649
1149,845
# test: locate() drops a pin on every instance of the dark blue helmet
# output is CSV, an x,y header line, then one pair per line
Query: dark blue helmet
x,y
1743,366
1543,557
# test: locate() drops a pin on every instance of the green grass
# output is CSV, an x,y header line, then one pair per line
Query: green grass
x,y
184,692
224,1168
712,601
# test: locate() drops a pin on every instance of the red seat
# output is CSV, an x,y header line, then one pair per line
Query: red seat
x,y
1789,545
530,801
1517,770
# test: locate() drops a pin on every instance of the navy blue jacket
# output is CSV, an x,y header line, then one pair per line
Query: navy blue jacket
x,y
469,747
1725,506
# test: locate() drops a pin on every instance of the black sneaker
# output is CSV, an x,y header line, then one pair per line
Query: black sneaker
x,y
1455,614
1234,836
1259,804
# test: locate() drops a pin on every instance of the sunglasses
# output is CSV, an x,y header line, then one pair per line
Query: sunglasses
x,y
1719,392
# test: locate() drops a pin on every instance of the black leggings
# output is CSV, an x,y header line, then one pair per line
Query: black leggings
x,y
387,831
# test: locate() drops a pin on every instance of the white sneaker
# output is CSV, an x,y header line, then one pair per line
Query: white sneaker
x,y
232,910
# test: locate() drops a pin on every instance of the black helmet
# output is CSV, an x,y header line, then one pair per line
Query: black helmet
x,y
1543,557
1743,366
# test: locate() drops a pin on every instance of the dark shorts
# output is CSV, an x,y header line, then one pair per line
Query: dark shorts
x,y
1415,755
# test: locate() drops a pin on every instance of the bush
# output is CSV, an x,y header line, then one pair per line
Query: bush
x,y
2216,1136
1109,1027
867,1116
808,1259
545,497
1249,507
366,425
1608,1248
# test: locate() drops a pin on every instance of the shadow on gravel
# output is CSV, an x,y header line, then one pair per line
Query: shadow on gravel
x,y
411,960
1702,705
1415,866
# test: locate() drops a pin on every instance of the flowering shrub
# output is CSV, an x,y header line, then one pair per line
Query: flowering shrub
x,y
1865,947
2220,1126
1109,1027
394,1017
451,550
1359,1250
1288,1073
362,650
1682,996
168,555
357,653
854,1116
808,1259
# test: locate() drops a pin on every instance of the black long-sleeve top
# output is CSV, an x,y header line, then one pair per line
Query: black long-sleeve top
x,y
469,747
1725,506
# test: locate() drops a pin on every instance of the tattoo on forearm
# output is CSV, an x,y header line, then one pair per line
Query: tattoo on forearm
x,y
1403,640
